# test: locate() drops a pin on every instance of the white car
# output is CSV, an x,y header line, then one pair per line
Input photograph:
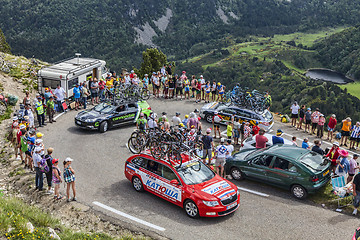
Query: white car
x,y
251,143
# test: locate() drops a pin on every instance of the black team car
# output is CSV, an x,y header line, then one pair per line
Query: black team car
x,y
108,115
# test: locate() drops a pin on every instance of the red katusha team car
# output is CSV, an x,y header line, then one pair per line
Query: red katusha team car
x,y
191,185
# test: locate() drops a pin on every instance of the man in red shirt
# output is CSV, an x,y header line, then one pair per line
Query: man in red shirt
x,y
256,128
331,126
260,139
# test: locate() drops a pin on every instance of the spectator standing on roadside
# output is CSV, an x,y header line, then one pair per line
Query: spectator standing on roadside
x,y
314,120
179,82
171,87
236,132
207,92
260,139
50,105
302,117
294,113
27,99
60,95
152,122
85,93
145,81
256,128
94,89
307,120
187,88
56,178
40,112
356,193
354,137
345,131
69,178
102,85
213,91
331,126
305,144
317,148
208,146
29,112
333,155
202,82
247,130
48,174
198,91
193,121
38,174
220,157
230,149
176,120
216,120
193,85
229,130
320,126
353,165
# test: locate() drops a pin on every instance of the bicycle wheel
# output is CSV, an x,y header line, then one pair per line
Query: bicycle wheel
x,y
174,157
198,149
134,145
155,149
145,94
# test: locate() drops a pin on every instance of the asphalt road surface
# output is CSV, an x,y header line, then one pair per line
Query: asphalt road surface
x,y
264,213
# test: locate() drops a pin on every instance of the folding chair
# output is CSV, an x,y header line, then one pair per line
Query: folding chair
x,y
342,191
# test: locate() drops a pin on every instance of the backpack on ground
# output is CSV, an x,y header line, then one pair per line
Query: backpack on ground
x,y
338,135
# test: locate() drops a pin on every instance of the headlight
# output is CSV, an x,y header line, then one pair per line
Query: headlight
x,y
211,203
89,120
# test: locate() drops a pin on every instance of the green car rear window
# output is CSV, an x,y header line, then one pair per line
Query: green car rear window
x,y
313,161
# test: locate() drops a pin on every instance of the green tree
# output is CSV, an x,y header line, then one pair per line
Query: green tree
x,y
153,60
4,46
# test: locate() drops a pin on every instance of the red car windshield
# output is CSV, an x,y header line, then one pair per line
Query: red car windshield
x,y
195,173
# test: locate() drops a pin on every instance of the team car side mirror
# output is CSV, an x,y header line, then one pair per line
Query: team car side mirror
x,y
174,182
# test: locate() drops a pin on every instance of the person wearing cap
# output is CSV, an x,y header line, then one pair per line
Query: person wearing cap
x,y
333,155
50,109
56,178
260,139
60,95
220,155
31,145
216,120
145,81
278,139
320,126
307,120
345,131
301,117
47,94
343,163
294,113
353,165
30,113
314,120
331,126
220,89
69,178
355,136
176,120
305,144
40,112
208,146
185,121
39,175
255,128
141,122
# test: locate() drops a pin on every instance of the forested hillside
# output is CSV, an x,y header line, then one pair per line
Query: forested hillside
x,y
4,46
341,52
116,30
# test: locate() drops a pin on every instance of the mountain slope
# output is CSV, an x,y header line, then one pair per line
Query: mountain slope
x,y
116,30
341,52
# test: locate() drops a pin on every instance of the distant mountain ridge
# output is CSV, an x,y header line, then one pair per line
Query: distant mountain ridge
x,y
118,30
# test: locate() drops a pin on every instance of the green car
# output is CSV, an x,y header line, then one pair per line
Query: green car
x,y
300,170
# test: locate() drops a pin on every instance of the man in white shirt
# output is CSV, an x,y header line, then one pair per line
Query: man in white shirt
x,y
60,95
220,152
127,78
230,149
176,120
294,113
203,83
152,121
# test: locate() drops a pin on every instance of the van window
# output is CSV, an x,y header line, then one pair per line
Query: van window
x,y
50,83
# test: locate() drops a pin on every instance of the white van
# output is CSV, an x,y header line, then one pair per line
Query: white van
x,y
69,72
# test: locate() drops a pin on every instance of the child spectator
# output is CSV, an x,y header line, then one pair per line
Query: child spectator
x,y
293,140
56,178
69,178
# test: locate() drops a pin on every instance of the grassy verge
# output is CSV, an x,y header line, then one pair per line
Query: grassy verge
x,y
352,88
7,114
15,215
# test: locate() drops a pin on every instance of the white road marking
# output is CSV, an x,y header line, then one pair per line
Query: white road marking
x,y
253,192
56,117
135,219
